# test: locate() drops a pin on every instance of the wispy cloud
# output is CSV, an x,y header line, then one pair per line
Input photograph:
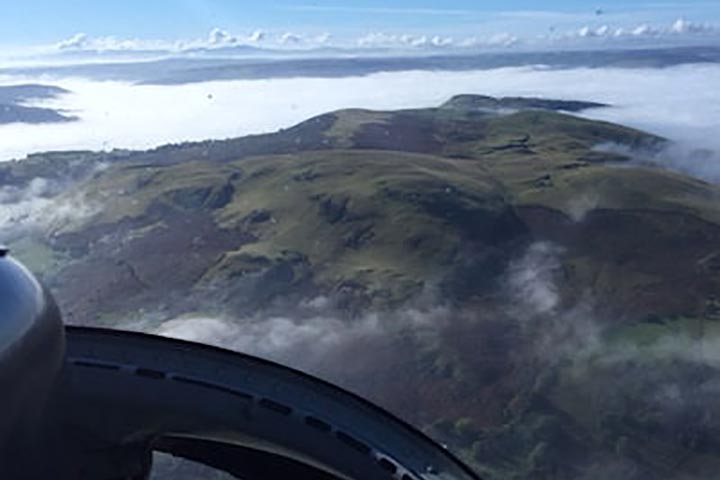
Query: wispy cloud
x,y
380,10
671,5
379,39
41,205
547,15
216,38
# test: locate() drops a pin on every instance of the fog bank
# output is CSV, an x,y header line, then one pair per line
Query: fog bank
x,y
677,102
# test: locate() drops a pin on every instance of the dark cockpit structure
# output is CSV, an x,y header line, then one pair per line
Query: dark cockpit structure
x,y
82,403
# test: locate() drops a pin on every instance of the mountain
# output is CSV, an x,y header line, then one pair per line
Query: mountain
x,y
481,102
492,270
13,110
18,93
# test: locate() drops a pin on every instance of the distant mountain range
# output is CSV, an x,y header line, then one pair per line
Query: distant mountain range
x,y
226,64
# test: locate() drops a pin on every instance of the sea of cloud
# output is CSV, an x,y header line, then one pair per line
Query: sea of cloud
x,y
678,102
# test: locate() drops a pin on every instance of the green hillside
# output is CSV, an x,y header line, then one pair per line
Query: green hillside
x,y
549,308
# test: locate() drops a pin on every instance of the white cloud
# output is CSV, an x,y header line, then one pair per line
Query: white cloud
x,y
531,279
504,39
257,36
586,32
644,30
83,42
218,36
376,39
391,40
440,41
578,207
682,26
323,38
39,205
677,346
309,335
77,41
623,31
410,41
601,31
276,337
289,38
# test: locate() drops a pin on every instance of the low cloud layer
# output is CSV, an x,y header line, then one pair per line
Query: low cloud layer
x,y
689,157
552,327
312,336
39,206
677,102
552,334
278,337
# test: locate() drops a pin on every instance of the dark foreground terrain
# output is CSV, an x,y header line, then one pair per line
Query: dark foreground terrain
x,y
491,270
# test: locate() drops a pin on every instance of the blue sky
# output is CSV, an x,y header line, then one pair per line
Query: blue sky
x,y
48,21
